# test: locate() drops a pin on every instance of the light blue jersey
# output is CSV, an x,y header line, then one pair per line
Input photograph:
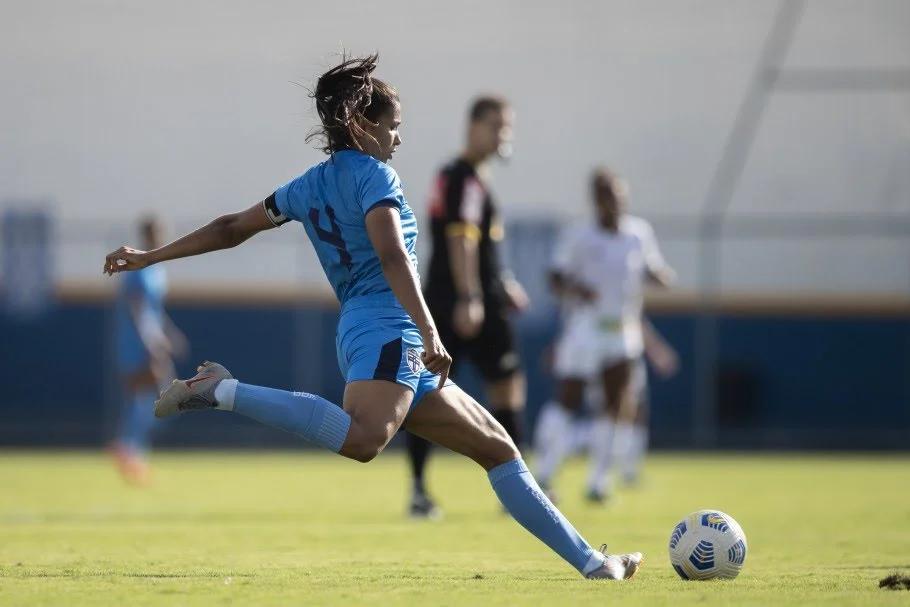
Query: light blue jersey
x,y
147,288
331,200
376,338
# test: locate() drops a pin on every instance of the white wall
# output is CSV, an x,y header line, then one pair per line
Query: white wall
x,y
111,108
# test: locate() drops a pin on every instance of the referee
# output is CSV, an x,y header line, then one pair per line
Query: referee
x,y
467,291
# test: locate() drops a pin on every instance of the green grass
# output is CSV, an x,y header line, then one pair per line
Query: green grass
x,y
305,529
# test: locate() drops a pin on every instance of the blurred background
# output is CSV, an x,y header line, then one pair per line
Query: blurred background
x,y
767,142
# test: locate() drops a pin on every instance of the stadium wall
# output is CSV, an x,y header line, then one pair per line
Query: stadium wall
x,y
786,379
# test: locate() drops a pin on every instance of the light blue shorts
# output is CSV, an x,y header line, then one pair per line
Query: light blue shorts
x,y
376,339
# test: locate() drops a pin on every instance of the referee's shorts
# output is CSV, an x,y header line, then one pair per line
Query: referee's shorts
x,y
492,350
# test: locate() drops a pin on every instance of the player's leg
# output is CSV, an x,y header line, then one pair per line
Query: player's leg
x,y
494,353
421,504
574,361
451,418
137,420
635,444
555,431
372,413
617,396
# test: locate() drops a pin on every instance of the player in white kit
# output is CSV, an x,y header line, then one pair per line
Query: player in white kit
x,y
599,271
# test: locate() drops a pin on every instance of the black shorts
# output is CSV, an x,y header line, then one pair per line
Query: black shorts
x,y
492,350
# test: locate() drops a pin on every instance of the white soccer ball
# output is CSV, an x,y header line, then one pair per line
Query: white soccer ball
x,y
707,544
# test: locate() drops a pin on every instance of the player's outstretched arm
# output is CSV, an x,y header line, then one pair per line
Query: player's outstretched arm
x,y
223,233
384,229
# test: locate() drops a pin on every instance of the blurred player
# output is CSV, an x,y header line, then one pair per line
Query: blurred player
x,y
599,272
468,292
630,448
146,342
355,214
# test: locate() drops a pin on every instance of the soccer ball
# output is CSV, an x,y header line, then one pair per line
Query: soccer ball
x,y
707,544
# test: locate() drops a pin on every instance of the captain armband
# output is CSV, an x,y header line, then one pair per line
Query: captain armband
x,y
271,210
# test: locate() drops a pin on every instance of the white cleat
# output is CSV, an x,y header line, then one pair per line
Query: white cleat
x,y
192,394
617,566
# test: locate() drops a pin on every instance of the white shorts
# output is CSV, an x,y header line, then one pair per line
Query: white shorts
x,y
585,347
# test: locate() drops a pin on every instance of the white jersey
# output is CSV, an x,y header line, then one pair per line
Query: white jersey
x,y
615,266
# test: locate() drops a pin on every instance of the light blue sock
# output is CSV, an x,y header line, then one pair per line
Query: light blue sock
x,y
306,415
138,421
522,497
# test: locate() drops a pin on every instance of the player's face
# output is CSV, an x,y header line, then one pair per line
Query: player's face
x,y
384,138
609,200
491,134
151,235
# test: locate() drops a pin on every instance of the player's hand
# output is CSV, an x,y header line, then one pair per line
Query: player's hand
x,y
125,259
516,294
664,360
584,292
468,317
435,357
178,343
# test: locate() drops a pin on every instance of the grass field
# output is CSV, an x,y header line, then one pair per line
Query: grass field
x,y
305,529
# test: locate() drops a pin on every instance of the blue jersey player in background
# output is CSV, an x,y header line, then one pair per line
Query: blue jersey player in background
x,y
146,341
354,211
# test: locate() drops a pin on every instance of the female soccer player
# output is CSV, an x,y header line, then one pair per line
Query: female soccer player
x,y
147,340
599,272
356,216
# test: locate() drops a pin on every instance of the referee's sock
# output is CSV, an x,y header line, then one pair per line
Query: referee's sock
x,y
513,422
307,415
522,497
418,452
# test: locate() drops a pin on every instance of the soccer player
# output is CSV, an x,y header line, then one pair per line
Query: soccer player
x,y
599,272
354,212
468,292
146,341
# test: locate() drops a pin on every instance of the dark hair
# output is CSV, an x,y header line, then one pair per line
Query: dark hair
x,y
345,95
484,104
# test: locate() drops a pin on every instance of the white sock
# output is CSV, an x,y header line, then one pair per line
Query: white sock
x,y
638,446
224,394
552,440
622,450
601,453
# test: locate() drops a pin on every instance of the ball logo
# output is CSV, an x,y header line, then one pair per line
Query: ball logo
x,y
715,521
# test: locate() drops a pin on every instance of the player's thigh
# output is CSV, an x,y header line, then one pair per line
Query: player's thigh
x,y
571,392
494,353
509,392
451,418
140,378
617,386
377,409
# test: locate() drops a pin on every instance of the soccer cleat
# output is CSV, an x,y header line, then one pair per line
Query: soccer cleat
x,y
422,506
617,566
597,496
192,394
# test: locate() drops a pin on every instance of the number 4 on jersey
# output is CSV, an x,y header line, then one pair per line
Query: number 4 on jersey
x,y
333,236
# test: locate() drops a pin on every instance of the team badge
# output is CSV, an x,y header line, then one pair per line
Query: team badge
x,y
414,361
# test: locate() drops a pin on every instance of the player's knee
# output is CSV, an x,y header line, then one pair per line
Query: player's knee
x,y
497,448
363,447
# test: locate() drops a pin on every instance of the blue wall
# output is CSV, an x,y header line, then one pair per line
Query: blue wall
x,y
784,381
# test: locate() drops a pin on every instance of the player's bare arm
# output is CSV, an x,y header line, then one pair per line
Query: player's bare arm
x,y
465,263
663,276
564,286
224,232
384,229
